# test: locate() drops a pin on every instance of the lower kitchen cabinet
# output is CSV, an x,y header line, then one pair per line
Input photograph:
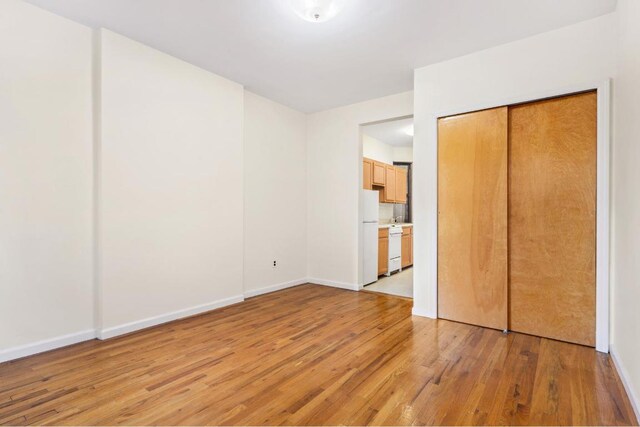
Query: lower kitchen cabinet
x,y
406,259
407,247
383,251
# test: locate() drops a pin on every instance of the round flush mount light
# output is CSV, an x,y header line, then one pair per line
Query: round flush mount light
x,y
317,10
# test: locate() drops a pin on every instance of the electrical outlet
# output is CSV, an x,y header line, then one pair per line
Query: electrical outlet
x,y
275,264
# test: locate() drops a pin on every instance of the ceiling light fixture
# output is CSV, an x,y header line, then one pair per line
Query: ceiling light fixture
x,y
317,10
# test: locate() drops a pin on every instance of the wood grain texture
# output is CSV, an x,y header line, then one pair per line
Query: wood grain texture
x,y
406,250
383,232
472,218
379,174
388,195
383,252
407,246
401,185
367,174
314,355
552,218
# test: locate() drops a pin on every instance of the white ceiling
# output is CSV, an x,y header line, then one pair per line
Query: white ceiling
x,y
393,132
369,50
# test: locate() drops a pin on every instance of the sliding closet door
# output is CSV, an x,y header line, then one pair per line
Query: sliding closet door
x,y
472,218
552,218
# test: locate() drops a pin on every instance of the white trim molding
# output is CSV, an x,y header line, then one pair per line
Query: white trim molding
x,y
46,345
603,207
137,325
341,285
603,89
274,288
626,382
66,340
415,311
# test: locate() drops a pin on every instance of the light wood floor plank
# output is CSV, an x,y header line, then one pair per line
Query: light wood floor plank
x,y
318,356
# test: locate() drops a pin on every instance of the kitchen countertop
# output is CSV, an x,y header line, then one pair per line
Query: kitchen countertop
x,y
402,224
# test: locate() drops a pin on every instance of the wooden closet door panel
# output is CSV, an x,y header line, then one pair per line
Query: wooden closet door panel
x,y
552,218
472,218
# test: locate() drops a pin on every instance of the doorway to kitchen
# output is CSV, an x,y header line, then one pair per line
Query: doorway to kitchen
x,y
386,208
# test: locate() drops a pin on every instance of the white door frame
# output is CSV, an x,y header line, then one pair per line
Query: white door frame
x,y
603,89
360,285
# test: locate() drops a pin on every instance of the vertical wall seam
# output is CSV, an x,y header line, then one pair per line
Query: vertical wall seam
x,y
97,152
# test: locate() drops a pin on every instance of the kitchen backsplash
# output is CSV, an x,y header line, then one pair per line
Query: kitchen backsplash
x,y
385,213
400,211
388,211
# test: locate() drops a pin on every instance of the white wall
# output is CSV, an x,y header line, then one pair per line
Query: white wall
x,y
168,187
375,149
403,154
577,54
171,208
626,202
46,178
275,195
334,161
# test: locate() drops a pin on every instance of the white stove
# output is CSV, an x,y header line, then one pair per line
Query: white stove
x,y
395,249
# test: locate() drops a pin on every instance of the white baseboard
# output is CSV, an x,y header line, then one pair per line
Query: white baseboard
x,y
341,285
626,382
164,318
423,313
274,288
46,345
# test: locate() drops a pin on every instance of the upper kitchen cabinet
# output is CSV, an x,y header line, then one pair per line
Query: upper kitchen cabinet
x,y
401,185
379,174
367,174
388,195
374,174
390,181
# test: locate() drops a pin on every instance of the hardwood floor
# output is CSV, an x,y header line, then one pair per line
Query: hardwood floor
x,y
315,355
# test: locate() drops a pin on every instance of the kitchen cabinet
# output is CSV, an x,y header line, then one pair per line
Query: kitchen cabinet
x,y
389,180
379,175
407,247
383,251
388,195
367,174
401,185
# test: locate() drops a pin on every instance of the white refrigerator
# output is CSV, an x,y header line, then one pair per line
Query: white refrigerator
x,y
370,236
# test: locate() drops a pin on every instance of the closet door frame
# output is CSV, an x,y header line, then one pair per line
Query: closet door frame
x,y
603,90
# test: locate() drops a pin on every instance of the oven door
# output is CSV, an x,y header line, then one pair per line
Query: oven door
x,y
395,246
